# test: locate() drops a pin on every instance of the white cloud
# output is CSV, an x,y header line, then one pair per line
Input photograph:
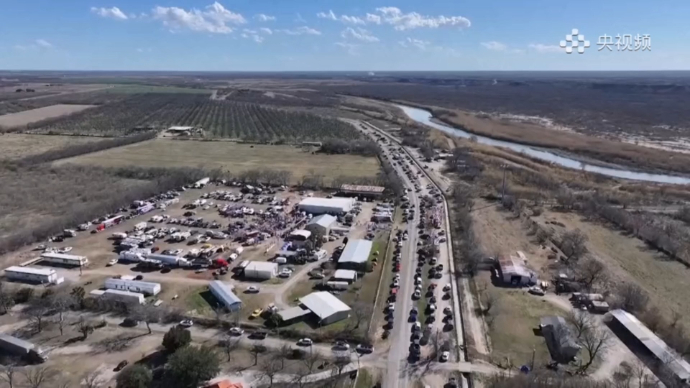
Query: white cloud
x,y
256,38
43,43
330,15
407,21
374,19
359,34
350,47
112,13
351,19
266,31
544,48
494,46
262,17
304,30
412,42
214,19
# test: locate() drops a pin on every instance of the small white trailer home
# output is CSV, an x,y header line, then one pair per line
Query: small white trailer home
x,y
146,288
31,275
61,258
124,296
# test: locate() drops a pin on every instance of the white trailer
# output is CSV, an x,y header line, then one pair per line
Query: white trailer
x,y
32,275
260,270
61,258
201,183
134,255
126,297
146,288
168,259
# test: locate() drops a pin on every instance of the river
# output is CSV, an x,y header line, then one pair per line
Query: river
x,y
424,117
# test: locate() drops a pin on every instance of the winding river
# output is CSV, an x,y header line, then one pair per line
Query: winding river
x,y
424,117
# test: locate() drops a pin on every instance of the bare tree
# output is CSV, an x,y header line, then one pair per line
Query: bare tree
x,y
632,297
9,374
573,244
580,322
146,313
256,349
230,345
590,273
593,341
282,354
84,327
6,298
61,302
36,312
311,360
269,369
92,380
340,363
38,376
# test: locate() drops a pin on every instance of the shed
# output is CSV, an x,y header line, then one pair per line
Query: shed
x,y
61,258
326,307
321,224
260,270
347,275
224,294
559,338
634,332
299,237
514,272
355,255
316,205
293,314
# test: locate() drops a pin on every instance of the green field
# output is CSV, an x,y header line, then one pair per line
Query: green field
x,y
135,89
232,157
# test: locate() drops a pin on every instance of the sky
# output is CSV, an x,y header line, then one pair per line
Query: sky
x,y
329,35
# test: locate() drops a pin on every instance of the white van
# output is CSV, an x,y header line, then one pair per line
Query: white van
x,y
281,260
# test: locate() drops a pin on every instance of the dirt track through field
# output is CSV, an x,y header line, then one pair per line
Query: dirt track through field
x,y
27,117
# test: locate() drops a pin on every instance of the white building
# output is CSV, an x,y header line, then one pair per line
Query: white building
x,y
123,296
31,274
299,237
355,255
321,224
61,258
346,275
326,307
260,270
147,288
224,294
315,205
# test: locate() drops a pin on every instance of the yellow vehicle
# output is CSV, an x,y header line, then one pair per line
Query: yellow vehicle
x,y
256,313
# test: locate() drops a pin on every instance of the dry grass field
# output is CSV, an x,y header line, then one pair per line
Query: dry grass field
x,y
30,116
16,146
230,156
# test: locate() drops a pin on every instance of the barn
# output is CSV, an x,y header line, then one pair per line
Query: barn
x,y
321,224
316,205
327,308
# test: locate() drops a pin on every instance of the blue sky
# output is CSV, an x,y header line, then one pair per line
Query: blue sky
x,y
366,35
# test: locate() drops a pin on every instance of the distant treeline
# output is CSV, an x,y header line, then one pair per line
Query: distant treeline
x,y
353,147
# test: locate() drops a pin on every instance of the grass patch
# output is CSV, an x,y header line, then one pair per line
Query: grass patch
x,y
517,314
137,89
200,301
364,379
233,157
15,146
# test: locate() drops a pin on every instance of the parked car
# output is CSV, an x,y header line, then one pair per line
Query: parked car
x,y
121,365
444,356
365,349
259,335
186,323
236,331
341,346
305,342
256,313
252,290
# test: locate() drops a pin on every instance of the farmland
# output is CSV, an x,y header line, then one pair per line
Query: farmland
x,y
218,118
16,146
230,156
31,116
141,89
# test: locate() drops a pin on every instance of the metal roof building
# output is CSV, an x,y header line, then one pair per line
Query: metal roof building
x,y
355,254
260,270
513,270
293,314
326,307
321,224
652,343
559,338
31,274
224,294
362,190
317,205
347,275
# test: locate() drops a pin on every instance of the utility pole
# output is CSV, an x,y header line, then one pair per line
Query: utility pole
x,y
503,189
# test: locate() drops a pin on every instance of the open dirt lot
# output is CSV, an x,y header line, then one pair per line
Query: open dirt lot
x,y
16,146
234,157
27,117
629,259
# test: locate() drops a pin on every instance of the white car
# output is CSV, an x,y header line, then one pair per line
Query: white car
x,y
417,294
391,306
64,249
305,342
252,289
284,274
111,262
186,323
236,331
444,356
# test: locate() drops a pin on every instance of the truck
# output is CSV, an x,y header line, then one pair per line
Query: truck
x,y
25,349
140,226
201,183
